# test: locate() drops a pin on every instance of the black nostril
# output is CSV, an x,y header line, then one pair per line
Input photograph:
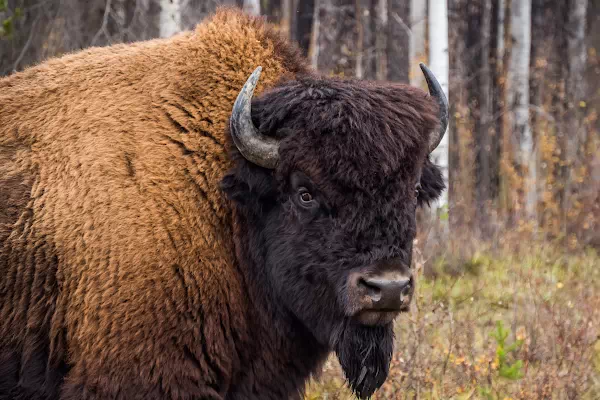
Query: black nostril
x,y
387,293
373,291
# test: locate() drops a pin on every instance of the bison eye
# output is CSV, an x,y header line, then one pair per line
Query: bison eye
x,y
305,196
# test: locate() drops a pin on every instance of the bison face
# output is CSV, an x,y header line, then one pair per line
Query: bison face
x,y
329,174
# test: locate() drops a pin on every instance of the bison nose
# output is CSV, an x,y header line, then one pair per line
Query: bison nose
x,y
388,292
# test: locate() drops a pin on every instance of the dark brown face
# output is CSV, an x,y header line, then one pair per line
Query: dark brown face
x,y
335,218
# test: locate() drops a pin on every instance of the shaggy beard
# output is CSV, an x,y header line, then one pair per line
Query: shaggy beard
x,y
364,354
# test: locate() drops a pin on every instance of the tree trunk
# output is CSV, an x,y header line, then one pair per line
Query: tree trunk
x,y
574,134
337,37
439,63
314,48
484,130
252,7
302,22
194,11
365,44
170,17
518,102
418,36
286,16
398,53
381,26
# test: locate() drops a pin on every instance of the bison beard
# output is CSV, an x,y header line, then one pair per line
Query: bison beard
x,y
365,354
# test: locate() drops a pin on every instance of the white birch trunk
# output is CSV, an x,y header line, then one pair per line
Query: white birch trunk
x,y
418,32
439,65
314,36
518,99
252,7
170,17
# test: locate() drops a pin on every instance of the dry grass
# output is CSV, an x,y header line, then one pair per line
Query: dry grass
x,y
548,303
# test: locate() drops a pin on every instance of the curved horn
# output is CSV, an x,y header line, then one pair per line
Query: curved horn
x,y
436,91
256,148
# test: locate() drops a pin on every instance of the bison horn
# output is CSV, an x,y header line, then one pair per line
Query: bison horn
x,y
435,90
256,148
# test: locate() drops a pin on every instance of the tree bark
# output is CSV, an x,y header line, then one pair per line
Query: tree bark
x,y
302,22
381,28
252,7
286,16
170,17
365,44
398,52
484,130
337,37
418,36
574,134
518,101
194,11
439,65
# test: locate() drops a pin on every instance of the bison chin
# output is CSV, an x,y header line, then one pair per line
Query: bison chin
x,y
365,354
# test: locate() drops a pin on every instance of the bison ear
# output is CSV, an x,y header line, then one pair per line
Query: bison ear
x,y
432,183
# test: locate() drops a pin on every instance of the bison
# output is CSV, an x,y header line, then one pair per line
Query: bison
x,y
205,217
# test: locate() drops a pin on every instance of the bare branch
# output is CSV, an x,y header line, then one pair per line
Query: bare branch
x,y
102,29
27,44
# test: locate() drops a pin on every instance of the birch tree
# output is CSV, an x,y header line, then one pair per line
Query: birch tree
x,y
252,7
518,103
418,35
439,65
170,17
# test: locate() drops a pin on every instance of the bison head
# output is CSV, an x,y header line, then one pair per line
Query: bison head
x,y
329,174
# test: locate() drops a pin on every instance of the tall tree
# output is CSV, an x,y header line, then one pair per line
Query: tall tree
x,y
574,134
381,39
252,7
484,129
286,16
336,39
439,65
365,41
194,11
170,17
518,102
398,43
418,37
302,19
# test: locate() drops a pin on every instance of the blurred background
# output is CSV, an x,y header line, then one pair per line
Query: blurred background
x,y
509,304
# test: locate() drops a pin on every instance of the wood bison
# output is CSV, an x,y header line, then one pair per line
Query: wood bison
x,y
172,229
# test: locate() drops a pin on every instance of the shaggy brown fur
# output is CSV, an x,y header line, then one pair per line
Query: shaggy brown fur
x,y
116,257
141,257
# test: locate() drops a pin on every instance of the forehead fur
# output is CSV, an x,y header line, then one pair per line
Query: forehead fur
x,y
358,133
